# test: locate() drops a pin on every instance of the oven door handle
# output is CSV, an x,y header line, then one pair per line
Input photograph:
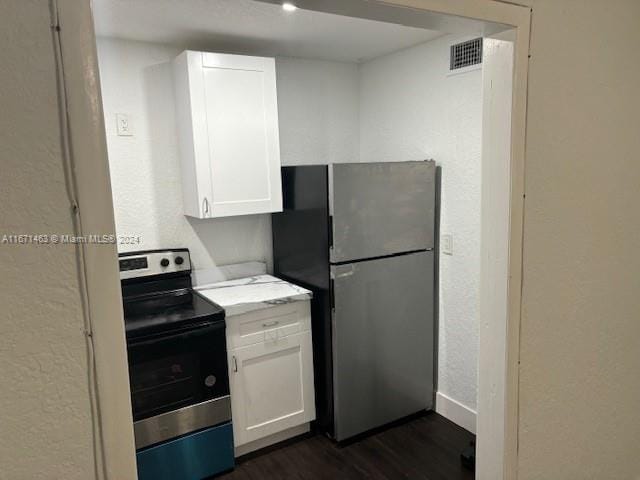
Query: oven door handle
x,y
187,333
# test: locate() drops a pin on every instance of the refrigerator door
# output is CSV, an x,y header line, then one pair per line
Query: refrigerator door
x,y
381,209
383,343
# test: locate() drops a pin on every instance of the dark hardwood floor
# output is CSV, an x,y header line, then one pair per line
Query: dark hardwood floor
x,y
424,448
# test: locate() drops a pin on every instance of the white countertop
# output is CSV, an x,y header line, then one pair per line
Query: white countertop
x,y
253,293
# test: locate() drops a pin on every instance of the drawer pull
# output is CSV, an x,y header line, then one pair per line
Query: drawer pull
x,y
235,364
270,324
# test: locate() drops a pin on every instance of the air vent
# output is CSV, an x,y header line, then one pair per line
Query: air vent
x,y
466,54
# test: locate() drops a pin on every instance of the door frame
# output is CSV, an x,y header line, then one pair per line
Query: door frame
x,y
497,88
87,142
84,135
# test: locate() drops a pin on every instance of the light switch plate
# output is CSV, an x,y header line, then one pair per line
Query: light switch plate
x,y
123,124
447,244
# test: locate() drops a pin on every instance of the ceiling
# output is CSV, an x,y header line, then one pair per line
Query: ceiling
x,y
250,27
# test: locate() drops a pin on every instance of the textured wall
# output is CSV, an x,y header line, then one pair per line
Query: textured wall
x,y
45,424
411,110
137,80
318,115
580,336
318,108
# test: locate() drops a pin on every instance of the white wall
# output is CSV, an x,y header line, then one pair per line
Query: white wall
x,y
45,419
145,172
580,333
318,123
318,110
411,109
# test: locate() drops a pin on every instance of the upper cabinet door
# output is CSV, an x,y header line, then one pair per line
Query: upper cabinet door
x,y
228,122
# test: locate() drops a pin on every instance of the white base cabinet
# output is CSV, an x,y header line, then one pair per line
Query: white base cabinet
x,y
271,378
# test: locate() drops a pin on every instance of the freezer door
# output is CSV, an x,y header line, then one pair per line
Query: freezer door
x,y
383,341
381,209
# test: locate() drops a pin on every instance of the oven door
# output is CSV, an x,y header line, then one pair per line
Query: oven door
x,y
179,383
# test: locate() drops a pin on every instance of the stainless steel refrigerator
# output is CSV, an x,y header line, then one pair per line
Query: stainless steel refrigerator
x,y
361,236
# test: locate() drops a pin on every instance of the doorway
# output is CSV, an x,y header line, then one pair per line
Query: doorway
x,y
487,20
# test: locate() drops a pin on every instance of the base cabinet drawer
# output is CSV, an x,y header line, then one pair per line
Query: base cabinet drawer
x,y
192,457
268,324
271,387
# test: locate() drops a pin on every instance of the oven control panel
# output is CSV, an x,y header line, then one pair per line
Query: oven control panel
x,y
135,263
156,262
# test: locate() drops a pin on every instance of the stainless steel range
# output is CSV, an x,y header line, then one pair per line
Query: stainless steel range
x,y
177,368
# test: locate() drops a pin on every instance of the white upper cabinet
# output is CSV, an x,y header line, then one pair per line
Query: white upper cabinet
x,y
227,116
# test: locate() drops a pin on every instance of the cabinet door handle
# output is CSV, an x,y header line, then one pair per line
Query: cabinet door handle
x,y
270,324
205,206
235,364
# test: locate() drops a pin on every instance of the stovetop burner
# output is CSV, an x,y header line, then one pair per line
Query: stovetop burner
x,y
158,296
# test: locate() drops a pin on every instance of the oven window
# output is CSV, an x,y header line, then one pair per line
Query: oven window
x,y
164,383
177,371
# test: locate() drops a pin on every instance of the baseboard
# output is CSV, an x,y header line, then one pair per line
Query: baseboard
x,y
265,442
456,412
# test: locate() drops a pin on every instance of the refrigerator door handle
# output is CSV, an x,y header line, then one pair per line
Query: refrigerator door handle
x,y
344,271
330,231
332,295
